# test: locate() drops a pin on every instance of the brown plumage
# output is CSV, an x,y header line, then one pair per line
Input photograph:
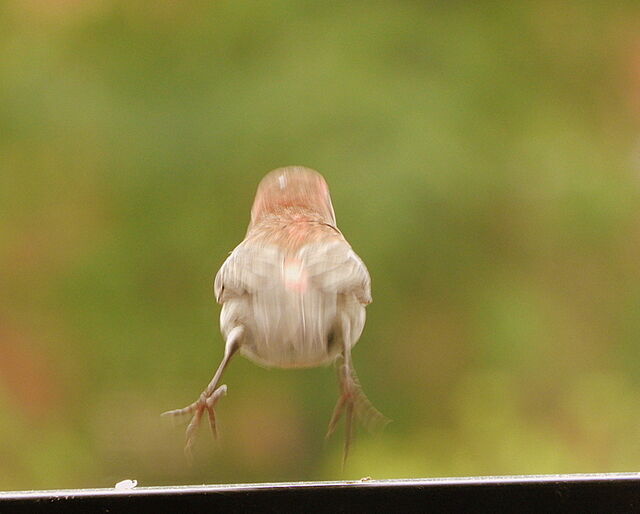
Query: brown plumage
x,y
293,294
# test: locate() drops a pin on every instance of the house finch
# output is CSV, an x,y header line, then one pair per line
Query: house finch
x,y
293,295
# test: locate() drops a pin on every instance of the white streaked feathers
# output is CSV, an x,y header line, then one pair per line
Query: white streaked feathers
x,y
291,305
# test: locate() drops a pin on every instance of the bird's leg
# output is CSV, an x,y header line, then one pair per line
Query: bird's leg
x,y
210,396
352,400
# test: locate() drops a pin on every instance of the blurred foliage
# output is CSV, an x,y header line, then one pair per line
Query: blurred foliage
x,y
484,160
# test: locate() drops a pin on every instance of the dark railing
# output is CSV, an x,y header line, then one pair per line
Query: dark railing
x,y
605,493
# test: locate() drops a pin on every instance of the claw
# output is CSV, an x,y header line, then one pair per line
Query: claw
x,y
212,423
210,404
197,408
335,417
353,402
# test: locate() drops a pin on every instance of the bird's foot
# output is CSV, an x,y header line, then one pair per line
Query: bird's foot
x,y
353,402
206,402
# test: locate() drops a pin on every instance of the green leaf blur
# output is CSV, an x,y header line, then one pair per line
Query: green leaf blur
x,y
484,161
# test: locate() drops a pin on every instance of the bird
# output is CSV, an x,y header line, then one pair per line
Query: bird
x,y
293,295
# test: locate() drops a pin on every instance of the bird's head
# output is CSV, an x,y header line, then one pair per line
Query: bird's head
x,y
291,189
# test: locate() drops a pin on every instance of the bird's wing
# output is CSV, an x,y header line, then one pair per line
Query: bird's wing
x,y
248,268
329,264
334,266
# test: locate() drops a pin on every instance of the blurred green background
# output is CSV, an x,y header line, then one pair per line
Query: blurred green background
x,y
484,161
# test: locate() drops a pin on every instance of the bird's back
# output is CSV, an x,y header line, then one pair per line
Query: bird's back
x,y
292,283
